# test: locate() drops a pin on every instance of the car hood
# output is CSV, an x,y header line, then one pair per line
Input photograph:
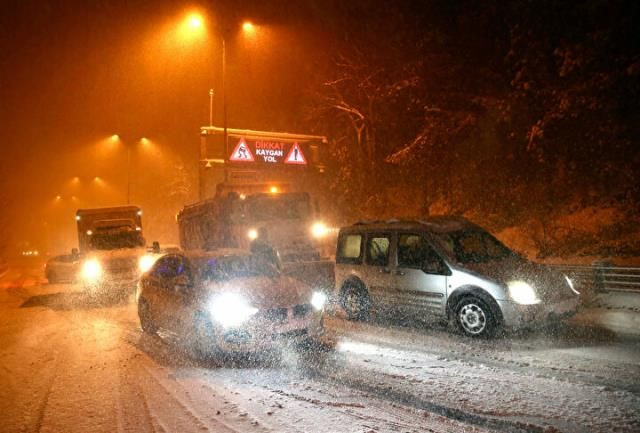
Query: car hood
x,y
549,284
265,292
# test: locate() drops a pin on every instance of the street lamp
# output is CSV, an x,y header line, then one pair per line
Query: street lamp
x,y
144,141
193,22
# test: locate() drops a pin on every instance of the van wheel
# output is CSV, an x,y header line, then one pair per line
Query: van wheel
x,y
146,322
355,302
474,317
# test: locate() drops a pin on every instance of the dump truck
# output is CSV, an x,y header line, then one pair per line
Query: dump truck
x,y
264,183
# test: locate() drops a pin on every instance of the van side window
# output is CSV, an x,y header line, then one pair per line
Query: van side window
x,y
415,252
378,250
349,248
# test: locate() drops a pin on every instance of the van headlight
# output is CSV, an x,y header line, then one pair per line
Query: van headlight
x,y
231,309
318,299
571,286
91,270
145,262
319,230
523,293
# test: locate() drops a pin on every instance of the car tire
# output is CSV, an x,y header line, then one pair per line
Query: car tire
x,y
146,322
355,302
52,277
474,317
201,337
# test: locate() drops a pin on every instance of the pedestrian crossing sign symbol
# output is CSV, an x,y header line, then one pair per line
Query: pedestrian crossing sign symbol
x,y
295,156
241,153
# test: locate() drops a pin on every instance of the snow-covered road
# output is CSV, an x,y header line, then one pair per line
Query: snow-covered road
x,y
67,365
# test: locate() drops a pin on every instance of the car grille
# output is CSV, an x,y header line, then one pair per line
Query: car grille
x,y
121,264
301,310
275,314
279,315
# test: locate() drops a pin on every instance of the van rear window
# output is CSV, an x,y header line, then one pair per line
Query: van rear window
x,y
349,248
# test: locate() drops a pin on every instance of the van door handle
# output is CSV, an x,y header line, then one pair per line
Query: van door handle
x,y
400,273
385,271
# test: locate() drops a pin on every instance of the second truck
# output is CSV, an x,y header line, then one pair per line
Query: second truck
x,y
112,248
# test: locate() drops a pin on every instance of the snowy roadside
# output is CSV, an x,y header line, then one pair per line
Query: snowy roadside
x,y
618,312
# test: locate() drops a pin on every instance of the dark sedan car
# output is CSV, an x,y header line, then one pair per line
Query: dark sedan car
x,y
229,301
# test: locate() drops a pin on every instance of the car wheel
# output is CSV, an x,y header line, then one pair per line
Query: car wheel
x,y
146,322
52,277
355,302
474,317
202,337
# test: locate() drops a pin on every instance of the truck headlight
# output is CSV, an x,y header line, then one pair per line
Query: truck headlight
x,y
319,230
252,234
570,283
91,270
318,300
523,293
145,262
231,309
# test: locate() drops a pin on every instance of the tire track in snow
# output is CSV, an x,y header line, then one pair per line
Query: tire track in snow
x,y
42,406
369,334
410,400
136,390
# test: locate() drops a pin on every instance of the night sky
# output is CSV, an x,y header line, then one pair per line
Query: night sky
x,y
74,72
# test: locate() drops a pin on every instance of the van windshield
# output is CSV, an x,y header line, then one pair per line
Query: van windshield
x,y
473,246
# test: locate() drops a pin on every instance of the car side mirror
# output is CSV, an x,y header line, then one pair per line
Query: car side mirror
x,y
155,248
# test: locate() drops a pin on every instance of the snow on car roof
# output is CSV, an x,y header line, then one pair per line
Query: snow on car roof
x,y
440,223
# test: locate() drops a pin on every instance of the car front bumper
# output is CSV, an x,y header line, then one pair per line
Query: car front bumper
x,y
263,335
521,316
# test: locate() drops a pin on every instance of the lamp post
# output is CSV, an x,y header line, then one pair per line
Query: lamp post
x,y
128,144
195,23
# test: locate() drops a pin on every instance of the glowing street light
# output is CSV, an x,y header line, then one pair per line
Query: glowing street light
x,y
248,27
195,21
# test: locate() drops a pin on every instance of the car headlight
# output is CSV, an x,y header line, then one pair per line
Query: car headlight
x,y
319,230
145,262
252,234
91,270
231,309
523,293
318,300
570,283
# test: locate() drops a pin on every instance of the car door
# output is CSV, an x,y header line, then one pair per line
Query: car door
x,y
377,270
421,275
166,288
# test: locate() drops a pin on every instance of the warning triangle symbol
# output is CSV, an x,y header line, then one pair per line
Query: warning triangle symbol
x,y
295,156
241,152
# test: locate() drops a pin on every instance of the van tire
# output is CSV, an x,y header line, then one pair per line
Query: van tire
x,y
355,302
474,318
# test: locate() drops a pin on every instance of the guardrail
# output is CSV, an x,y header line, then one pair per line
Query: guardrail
x,y
604,278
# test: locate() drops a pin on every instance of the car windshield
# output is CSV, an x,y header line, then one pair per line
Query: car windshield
x,y
473,246
230,267
112,241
